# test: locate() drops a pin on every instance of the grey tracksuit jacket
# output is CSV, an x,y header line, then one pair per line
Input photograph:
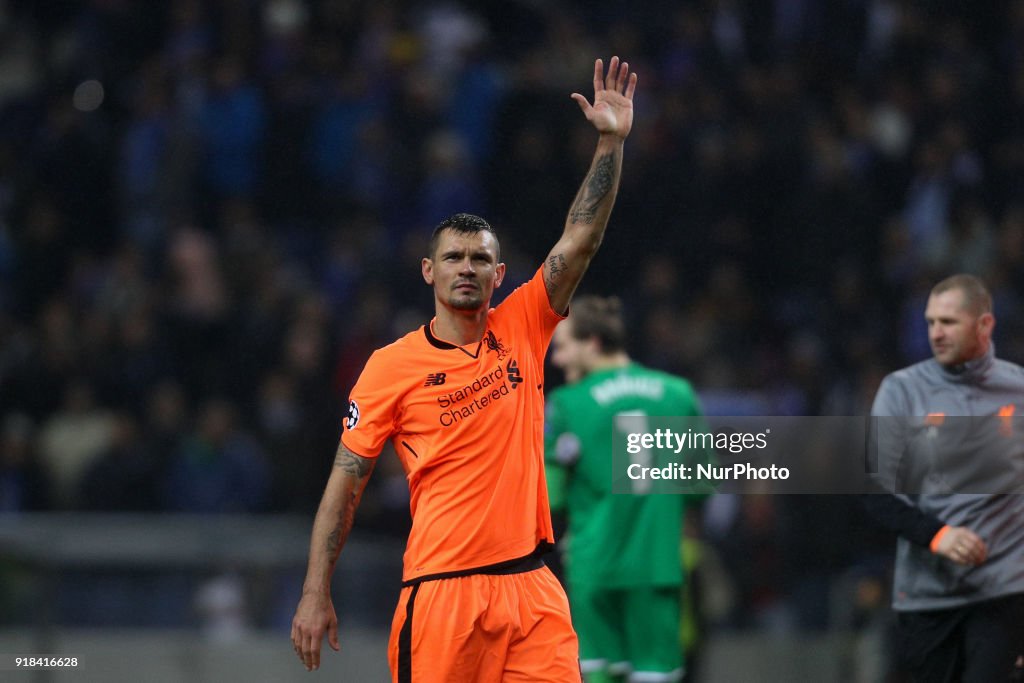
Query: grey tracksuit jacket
x,y
951,444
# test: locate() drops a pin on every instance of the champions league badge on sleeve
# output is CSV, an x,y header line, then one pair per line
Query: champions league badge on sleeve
x,y
353,415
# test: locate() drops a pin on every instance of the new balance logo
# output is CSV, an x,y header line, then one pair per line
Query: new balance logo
x,y
435,379
513,373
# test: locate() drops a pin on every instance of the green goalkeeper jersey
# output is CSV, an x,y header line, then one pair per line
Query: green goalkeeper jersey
x,y
615,540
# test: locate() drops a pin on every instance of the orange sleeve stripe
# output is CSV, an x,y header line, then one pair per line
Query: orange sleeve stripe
x,y
938,537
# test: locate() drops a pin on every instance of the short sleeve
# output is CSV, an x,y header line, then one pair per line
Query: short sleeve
x,y
372,409
529,305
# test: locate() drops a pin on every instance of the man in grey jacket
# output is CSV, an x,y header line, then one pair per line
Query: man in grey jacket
x,y
951,457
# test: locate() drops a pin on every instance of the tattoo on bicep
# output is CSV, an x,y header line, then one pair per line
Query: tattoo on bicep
x,y
352,463
556,266
594,190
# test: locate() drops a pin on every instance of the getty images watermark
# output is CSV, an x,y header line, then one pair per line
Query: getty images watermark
x,y
817,455
698,443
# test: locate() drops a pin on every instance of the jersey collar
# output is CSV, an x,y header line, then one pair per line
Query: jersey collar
x,y
436,342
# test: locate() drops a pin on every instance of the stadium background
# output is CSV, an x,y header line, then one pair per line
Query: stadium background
x,y
211,212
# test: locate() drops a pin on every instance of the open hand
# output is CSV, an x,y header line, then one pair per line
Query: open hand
x,y
612,111
314,618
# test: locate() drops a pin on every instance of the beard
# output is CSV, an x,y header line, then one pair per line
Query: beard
x,y
470,301
466,300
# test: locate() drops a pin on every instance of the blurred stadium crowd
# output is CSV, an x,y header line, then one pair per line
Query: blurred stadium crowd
x,y
211,212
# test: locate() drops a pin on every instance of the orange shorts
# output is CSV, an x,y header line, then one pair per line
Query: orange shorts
x,y
484,628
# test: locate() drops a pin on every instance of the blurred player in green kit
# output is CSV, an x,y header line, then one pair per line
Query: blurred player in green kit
x,y
622,562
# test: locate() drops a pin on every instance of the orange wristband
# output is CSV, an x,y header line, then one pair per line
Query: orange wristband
x,y
938,537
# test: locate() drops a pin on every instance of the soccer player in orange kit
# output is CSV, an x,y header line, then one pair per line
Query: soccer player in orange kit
x,y
461,399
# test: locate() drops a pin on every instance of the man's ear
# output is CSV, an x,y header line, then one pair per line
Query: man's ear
x,y
499,274
427,268
986,325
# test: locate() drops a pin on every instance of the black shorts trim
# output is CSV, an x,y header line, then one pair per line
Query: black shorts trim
x,y
519,565
405,641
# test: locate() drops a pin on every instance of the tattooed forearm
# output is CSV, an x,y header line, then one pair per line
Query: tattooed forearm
x,y
335,517
339,534
334,541
594,190
345,515
556,266
352,463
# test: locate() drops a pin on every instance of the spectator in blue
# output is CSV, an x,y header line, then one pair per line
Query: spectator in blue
x,y
218,469
232,123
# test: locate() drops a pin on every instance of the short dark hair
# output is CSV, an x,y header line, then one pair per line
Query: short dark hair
x,y
600,318
977,299
463,224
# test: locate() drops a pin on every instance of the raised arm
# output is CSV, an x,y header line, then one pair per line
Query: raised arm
x,y
612,116
315,614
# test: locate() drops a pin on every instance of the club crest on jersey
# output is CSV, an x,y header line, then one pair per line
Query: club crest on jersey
x,y
494,344
353,415
933,421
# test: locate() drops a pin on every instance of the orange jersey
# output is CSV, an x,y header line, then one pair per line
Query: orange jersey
x,y
467,423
